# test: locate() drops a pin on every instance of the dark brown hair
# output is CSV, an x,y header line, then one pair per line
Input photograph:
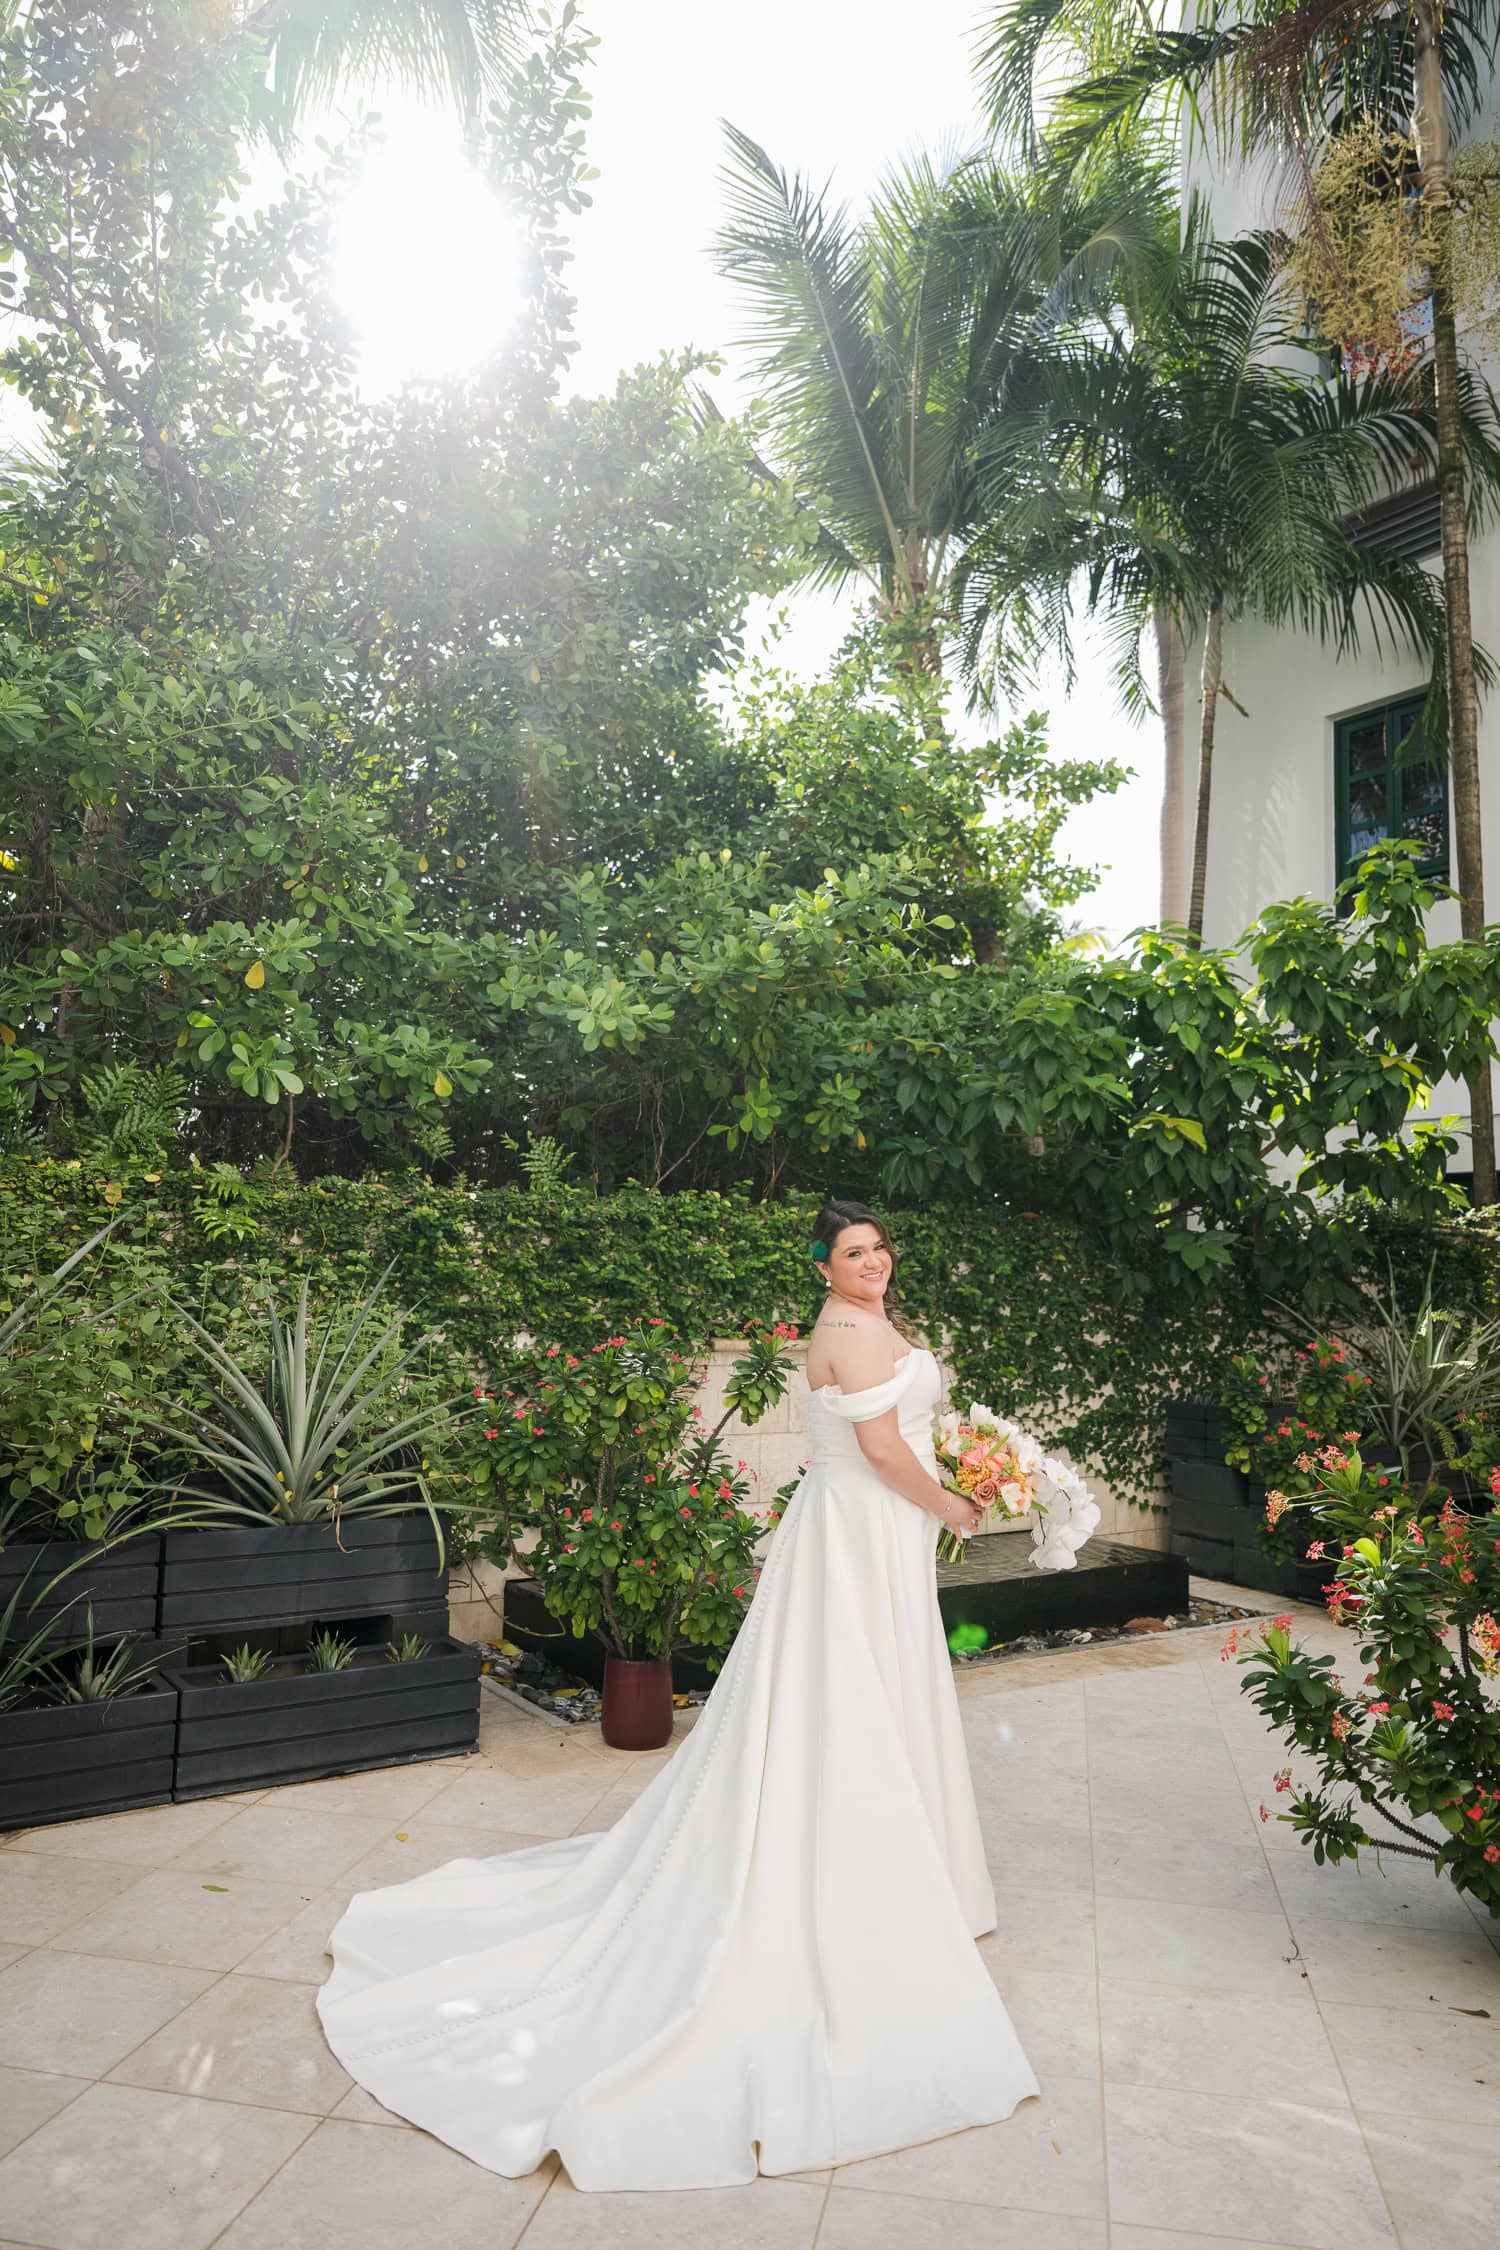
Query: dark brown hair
x,y
832,1221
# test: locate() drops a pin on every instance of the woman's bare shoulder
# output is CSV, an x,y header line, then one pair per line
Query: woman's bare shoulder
x,y
851,1347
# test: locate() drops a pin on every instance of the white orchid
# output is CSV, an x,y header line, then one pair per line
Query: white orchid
x,y
1063,1511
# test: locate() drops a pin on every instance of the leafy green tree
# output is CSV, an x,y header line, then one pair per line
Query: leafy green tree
x,y
307,700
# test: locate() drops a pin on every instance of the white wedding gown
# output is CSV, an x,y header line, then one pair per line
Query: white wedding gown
x,y
771,1954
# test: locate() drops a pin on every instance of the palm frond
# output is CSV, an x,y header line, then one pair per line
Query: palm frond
x,y
461,51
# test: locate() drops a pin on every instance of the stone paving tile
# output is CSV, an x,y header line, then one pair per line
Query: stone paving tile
x,y
353,2184
859,2219
1157,2238
1399,1967
765,2214
1287,2171
1377,1888
1441,2179
187,1918
150,1838
28,2098
1213,1948
64,2012
1198,2093
1048,2155
40,1897
271,1837
1418,2063
124,2169
247,2039
1233,2043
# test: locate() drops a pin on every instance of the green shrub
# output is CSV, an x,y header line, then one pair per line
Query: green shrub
x,y
1085,1343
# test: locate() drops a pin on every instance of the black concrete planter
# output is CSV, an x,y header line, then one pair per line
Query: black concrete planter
x,y
76,1759
1195,1430
1214,1513
297,1725
213,1582
119,1580
533,1626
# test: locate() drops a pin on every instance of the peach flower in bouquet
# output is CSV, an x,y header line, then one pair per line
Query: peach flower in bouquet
x,y
995,1463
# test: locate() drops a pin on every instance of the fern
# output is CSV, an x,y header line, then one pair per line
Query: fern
x,y
129,1111
544,1162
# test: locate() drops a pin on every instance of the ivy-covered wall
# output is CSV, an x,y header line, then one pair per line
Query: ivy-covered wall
x,y
1035,1317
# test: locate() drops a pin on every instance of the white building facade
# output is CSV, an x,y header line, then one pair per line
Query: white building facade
x,y
1307,778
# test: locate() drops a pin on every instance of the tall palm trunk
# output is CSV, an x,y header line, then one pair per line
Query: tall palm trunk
x,y
1213,665
1171,697
1431,132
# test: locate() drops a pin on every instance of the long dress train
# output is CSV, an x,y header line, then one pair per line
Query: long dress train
x,y
772,1950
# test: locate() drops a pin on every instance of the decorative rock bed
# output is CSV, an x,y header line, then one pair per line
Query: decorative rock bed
x,y
552,1688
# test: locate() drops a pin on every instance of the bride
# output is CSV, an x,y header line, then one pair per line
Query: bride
x,y
766,1964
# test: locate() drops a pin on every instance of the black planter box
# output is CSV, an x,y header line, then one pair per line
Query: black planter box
x,y
1209,1499
217,1580
120,1580
1195,1430
528,1620
300,1726
80,1758
1214,1513
995,1588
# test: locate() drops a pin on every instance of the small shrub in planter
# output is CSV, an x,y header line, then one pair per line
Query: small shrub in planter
x,y
643,1538
253,1719
76,1450
87,1728
1419,1739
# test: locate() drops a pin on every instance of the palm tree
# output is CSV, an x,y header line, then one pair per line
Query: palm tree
x,y
885,348
1291,76
1185,471
459,50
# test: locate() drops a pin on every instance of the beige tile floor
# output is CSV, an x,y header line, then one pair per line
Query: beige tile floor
x,y
1237,2048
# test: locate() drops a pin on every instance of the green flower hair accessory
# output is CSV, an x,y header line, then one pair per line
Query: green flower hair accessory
x,y
819,1252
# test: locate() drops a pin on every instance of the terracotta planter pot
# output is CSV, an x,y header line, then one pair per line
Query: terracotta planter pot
x,y
637,1712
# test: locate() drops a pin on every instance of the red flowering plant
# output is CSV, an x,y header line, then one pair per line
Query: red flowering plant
x,y
1419,1740
643,1531
1330,1407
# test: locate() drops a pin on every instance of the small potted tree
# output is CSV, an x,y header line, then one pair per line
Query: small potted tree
x,y
643,1537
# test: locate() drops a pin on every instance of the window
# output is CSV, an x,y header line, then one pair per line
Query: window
x,y
1376,796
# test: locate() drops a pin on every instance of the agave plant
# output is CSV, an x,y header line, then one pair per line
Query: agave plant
x,y
330,1652
27,1661
245,1662
312,1439
90,1675
410,1649
1428,1371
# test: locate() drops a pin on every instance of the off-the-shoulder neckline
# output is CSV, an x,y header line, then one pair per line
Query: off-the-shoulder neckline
x,y
818,1389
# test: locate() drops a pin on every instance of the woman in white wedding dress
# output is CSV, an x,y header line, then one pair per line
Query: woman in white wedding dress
x,y
768,1963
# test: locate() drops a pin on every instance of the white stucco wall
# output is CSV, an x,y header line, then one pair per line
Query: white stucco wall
x,y
1273,830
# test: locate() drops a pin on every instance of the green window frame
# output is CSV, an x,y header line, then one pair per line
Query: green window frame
x,y
1377,797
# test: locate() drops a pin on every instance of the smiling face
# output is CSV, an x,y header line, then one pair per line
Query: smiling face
x,y
859,1266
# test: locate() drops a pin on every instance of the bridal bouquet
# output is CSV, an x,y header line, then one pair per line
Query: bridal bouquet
x,y
995,1463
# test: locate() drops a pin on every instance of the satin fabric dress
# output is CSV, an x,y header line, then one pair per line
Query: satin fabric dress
x,y
766,1964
